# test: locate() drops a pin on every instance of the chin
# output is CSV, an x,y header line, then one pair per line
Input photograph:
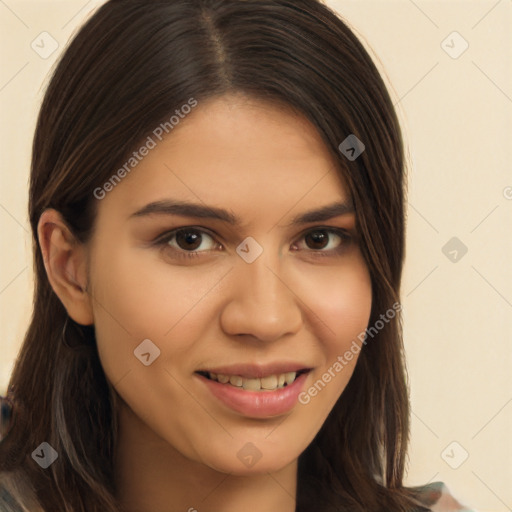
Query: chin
x,y
246,459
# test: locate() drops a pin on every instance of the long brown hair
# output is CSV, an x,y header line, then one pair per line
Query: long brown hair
x,y
127,70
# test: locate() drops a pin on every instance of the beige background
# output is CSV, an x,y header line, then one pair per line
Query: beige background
x,y
457,115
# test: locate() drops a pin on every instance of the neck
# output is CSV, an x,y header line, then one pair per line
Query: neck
x,y
152,476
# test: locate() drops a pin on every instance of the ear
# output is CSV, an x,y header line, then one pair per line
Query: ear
x,y
65,261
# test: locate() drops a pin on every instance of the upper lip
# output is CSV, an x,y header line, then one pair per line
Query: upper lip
x,y
256,371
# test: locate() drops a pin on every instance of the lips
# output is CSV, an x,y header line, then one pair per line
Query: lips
x,y
257,391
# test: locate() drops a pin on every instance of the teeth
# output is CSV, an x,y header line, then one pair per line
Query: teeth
x,y
270,383
236,381
251,384
290,377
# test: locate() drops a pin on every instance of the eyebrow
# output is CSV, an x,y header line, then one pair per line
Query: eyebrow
x,y
187,209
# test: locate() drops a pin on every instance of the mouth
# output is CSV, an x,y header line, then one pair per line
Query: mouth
x,y
249,382
256,391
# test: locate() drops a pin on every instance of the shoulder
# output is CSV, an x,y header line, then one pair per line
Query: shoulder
x,y
439,498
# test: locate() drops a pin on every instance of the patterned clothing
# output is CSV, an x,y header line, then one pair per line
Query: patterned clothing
x,y
443,500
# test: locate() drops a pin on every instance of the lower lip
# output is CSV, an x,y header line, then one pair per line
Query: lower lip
x,y
257,404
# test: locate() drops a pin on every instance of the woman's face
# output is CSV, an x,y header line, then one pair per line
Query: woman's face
x,y
264,296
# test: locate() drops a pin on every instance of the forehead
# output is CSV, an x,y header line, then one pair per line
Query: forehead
x,y
237,151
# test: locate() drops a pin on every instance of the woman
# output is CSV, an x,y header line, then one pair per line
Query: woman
x,y
264,370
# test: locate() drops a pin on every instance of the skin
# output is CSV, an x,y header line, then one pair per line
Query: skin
x,y
178,444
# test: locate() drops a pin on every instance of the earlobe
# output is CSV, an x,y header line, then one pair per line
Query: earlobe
x,y
65,261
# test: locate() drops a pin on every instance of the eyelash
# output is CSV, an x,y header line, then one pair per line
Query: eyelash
x,y
163,240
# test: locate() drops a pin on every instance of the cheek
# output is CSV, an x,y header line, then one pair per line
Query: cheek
x,y
350,317
138,296
339,302
339,306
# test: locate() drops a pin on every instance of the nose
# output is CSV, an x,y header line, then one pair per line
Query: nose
x,y
262,304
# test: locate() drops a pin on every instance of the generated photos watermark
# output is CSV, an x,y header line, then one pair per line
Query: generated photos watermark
x,y
343,360
151,143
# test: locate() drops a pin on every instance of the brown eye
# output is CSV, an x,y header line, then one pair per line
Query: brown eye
x,y
188,239
317,239
326,241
